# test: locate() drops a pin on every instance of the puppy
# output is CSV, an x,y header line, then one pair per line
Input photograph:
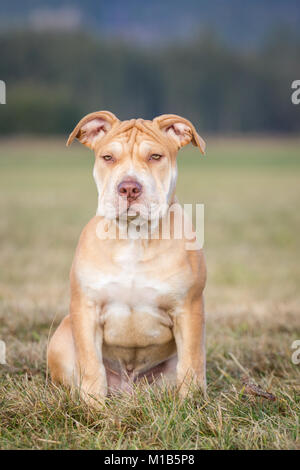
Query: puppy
x,y
136,307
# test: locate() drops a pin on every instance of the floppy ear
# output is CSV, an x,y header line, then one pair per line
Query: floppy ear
x,y
180,130
93,127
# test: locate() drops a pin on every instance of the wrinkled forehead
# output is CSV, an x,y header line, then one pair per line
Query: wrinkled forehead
x,y
135,132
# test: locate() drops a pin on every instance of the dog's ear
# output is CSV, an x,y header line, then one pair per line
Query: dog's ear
x,y
93,127
180,130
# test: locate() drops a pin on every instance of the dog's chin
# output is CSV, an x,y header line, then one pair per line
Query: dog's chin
x,y
151,211
128,216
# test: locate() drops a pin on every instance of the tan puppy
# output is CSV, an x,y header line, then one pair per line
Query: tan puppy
x,y
136,304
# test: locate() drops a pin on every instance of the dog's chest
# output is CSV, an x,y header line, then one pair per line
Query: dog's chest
x,y
135,303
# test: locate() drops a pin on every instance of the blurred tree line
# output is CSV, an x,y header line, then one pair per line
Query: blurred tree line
x,y
54,78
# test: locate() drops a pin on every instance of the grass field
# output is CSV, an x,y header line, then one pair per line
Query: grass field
x,y
251,191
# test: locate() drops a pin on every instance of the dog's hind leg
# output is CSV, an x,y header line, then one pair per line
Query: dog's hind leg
x,y
61,354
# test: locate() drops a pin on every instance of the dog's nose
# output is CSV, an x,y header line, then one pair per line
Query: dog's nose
x,y
130,189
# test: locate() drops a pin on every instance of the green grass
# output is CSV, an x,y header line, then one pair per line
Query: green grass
x,y
251,191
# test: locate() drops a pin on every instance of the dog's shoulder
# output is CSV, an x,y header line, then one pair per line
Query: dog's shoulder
x,y
196,260
89,233
89,244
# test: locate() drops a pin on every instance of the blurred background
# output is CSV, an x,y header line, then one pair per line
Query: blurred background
x,y
227,65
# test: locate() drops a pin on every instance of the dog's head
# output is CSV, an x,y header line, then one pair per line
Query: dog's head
x,y
135,161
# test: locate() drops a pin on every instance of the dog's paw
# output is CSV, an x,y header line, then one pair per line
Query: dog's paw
x,y
93,393
190,383
94,401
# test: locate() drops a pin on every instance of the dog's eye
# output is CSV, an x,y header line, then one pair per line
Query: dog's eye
x,y
107,158
155,156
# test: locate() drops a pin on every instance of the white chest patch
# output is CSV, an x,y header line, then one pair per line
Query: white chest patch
x,y
126,286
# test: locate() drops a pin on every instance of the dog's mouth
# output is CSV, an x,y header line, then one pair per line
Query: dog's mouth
x,y
130,209
132,214
139,209
139,212
129,215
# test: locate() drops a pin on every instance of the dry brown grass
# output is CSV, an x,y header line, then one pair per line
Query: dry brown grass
x,y
251,193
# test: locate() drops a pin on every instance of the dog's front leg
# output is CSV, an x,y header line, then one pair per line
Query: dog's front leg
x,y
86,330
189,333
